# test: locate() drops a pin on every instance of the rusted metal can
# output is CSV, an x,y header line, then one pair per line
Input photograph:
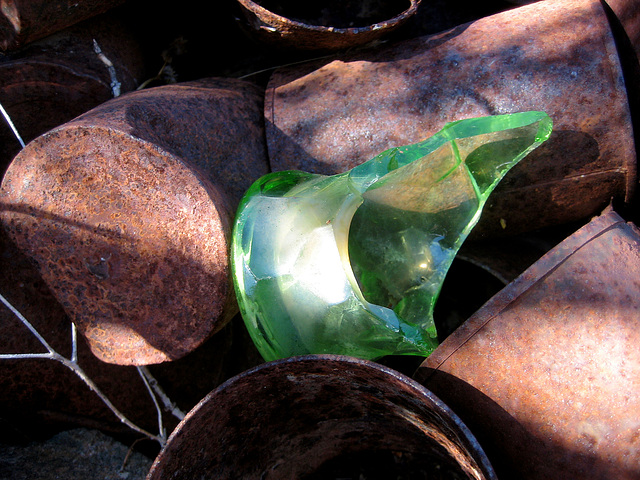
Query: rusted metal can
x,y
56,79
40,397
323,25
127,212
24,21
558,56
321,417
547,373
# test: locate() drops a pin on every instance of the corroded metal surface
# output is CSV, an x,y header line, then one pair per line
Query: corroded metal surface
x,y
24,21
40,397
557,56
547,373
127,210
322,25
310,417
54,80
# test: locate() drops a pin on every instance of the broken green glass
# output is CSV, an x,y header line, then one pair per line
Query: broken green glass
x,y
353,263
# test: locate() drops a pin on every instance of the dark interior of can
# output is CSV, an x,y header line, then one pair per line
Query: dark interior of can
x,y
388,461
336,13
384,465
313,419
380,445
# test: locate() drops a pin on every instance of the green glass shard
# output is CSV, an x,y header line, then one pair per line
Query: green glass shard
x,y
353,263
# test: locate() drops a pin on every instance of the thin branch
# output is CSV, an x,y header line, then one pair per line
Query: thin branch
x,y
83,376
155,402
25,356
116,86
74,343
27,324
153,79
75,367
169,406
291,64
11,125
129,452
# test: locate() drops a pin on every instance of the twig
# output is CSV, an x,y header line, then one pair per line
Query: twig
x,y
306,60
75,367
25,356
169,406
158,76
30,327
83,376
74,343
175,49
155,402
116,86
129,452
11,125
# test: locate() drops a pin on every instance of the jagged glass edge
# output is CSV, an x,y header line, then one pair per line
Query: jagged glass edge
x,y
365,176
383,163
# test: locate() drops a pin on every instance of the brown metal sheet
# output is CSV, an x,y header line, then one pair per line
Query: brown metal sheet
x,y
127,212
547,373
321,417
558,56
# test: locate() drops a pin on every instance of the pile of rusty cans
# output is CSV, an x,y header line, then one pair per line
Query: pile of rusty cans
x,y
119,193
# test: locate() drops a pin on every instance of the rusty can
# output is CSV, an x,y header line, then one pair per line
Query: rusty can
x,y
323,25
127,212
547,373
41,397
56,79
321,416
25,21
558,56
